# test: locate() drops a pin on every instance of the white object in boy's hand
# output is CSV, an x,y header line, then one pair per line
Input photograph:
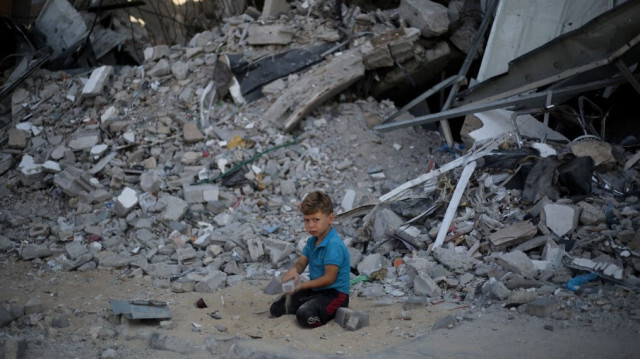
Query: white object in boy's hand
x,y
288,286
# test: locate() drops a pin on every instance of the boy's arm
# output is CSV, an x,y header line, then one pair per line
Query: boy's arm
x,y
297,268
329,276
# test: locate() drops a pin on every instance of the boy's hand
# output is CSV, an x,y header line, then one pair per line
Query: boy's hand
x,y
291,274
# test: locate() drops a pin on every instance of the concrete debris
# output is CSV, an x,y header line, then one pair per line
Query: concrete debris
x,y
351,319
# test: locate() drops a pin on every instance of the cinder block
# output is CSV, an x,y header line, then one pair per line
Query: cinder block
x,y
351,319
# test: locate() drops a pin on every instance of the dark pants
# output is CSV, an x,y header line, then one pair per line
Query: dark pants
x,y
312,308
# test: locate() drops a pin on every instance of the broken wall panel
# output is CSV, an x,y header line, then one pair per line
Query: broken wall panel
x,y
545,19
61,24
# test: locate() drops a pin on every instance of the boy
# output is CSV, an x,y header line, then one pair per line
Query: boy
x,y
316,301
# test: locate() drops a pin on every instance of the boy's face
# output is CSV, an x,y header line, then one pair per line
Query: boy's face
x,y
318,224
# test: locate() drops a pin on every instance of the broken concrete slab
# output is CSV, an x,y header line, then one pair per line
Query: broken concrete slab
x,y
97,81
561,219
351,319
314,88
517,262
512,235
270,34
458,262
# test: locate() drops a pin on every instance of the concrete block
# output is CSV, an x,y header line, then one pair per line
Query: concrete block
x,y
180,70
191,133
591,215
162,68
376,57
156,52
348,200
17,139
33,251
371,264
109,115
125,202
195,193
212,282
97,81
351,319
84,140
270,35
277,249
454,261
256,250
150,181
430,17
542,307
174,208
518,262
495,289
425,285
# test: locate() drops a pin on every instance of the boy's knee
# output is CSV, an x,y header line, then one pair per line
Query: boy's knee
x,y
307,319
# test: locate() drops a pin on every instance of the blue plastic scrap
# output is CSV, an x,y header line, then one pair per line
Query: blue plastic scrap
x,y
575,282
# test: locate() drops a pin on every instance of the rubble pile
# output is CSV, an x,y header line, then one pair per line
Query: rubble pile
x,y
170,170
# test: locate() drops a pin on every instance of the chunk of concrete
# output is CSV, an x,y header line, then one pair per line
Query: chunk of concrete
x,y
425,285
212,282
278,250
270,35
162,68
371,264
191,133
512,235
561,219
125,202
350,319
17,139
97,81
430,17
518,262
495,289
590,214
156,53
458,262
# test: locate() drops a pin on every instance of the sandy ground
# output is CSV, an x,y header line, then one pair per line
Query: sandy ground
x,y
489,331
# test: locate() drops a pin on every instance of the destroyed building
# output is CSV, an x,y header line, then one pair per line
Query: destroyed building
x,y
480,154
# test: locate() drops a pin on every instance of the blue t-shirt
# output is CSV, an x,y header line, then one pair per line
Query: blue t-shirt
x,y
331,251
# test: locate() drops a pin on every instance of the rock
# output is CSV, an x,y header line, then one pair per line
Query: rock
x,y
32,251
126,202
454,261
212,282
561,219
494,289
351,319
98,80
171,343
191,133
517,262
424,285
371,263
447,322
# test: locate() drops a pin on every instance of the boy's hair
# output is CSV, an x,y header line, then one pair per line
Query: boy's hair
x,y
316,201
